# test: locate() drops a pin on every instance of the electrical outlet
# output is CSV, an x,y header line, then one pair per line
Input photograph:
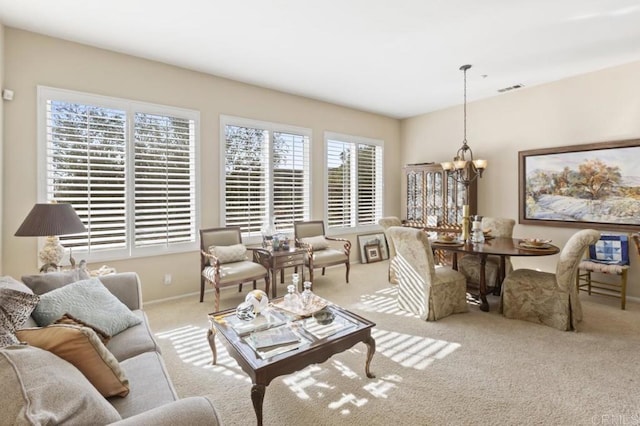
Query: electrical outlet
x,y
167,279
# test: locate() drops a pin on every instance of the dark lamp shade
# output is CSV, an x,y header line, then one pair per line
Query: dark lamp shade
x,y
51,220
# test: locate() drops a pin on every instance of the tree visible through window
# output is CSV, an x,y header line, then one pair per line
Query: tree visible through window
x,y
133,186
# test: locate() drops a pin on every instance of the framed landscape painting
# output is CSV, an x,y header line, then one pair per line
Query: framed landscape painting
x,y
582,186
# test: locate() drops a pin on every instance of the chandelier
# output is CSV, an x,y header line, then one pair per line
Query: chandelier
x,y
464,169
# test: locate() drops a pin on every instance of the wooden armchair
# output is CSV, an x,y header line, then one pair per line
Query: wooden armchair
x,y
311,236
225,261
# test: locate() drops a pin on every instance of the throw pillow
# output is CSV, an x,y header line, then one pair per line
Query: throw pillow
x,y
88,300
229,254
71,320
43,283
39,388
81,347
317,243
15,308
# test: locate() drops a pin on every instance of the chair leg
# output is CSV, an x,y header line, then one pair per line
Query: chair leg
x,y
623,290
348,265
267,283
217,302
323,271
201,288
311,274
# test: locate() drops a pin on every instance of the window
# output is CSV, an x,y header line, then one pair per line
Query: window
x,y
265,174
354,181
128,169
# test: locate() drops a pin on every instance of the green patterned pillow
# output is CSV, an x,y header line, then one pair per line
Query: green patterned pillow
x,y
89,301
229,254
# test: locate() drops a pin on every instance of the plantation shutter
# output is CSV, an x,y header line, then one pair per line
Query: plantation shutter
x,y
85,160
354,181
340,174
290,180
246,178
164,180
369,184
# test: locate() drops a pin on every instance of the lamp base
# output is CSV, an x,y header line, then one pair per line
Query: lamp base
x,y
52,252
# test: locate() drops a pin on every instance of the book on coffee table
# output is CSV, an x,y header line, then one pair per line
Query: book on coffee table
x,y
272,337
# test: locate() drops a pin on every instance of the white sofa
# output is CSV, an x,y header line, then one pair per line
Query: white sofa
x,y
33,391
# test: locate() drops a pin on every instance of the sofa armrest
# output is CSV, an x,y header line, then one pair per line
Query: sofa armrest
x,y
126,287
193,411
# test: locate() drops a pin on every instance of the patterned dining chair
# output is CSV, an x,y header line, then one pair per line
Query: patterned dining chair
x,y
548,298
423,289
470,265
387,222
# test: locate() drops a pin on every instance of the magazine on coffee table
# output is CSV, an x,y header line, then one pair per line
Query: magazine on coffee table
x,y
274,341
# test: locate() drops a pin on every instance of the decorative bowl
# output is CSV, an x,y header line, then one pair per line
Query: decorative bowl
x,y
447,238
536,242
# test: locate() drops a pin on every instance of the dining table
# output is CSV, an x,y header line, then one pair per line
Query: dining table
x,y
496,246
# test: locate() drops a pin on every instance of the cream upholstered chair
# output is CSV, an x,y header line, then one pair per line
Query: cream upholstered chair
x,y
225,261
424,289
387,222
470,265
547,298
320,254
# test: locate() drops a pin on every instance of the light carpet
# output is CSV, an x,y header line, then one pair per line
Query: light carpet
x,y
471,368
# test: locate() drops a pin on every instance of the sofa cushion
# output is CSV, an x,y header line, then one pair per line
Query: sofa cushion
x,y
40,388
149,382
317,243
12,283
229,254
43,283
90,301
81,347
134,340
15,308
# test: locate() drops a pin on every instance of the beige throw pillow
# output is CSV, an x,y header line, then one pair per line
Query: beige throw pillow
x,y
317,243
229,254
81,347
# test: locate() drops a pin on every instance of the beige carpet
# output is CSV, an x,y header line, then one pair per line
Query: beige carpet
x,y
472,368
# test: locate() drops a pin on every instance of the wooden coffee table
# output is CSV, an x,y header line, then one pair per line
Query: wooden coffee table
x,y
314,350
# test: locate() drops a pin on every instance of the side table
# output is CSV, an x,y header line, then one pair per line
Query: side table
x,y
278,260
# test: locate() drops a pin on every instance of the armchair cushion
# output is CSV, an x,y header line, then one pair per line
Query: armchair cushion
x,y
235,271
229,254
88,300
328,256
81,347
317,243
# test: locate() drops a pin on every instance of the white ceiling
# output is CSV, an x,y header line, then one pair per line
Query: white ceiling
x,y
399,58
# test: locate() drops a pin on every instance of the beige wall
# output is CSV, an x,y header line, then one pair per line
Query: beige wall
x,y
32,60
595,107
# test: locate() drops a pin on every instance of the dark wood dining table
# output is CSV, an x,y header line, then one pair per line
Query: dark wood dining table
x,y
497,246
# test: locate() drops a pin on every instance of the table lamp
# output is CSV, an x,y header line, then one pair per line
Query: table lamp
x,y
50,220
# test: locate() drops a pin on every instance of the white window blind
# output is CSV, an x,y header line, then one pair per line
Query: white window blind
x,y
266,175
127,168
354,181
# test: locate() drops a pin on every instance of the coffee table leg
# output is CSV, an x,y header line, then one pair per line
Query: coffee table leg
x,y
484,306
257,397
371,349
211,337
